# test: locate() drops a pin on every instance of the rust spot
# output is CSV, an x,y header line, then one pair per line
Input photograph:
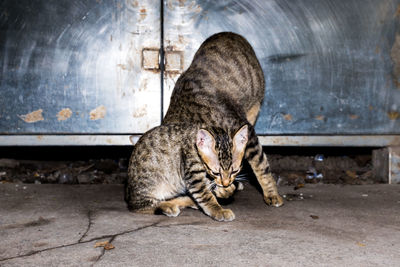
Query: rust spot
x,y
198,9
395,55
111,38
98,113
397,12
354,116
287,117
39,137
393,115
377,49
370,107
141,112
143,14
320,117
135,3
109,141
122,66
170,5
64,114
32,117
182,40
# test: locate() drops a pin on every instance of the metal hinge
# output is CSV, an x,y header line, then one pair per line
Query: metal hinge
x,y
173,60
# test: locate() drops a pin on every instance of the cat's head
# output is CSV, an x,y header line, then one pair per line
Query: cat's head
x,y
222,154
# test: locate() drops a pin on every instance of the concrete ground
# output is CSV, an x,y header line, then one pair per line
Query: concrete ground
x,y
319,225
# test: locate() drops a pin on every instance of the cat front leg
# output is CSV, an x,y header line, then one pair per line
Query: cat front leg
x,y
259,163
198,188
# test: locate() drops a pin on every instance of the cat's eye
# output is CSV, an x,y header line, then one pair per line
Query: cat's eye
x,y
235,172
215,173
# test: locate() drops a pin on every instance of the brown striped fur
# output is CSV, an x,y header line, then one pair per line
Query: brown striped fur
x,y
168,171
221,91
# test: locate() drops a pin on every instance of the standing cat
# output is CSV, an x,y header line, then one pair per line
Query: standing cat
x,y
215,102
224,86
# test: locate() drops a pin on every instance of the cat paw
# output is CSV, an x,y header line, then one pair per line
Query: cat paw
x,y
170,211
240,186
275,200
224,192
223,215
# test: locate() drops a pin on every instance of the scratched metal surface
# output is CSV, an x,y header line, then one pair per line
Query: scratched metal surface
x,y
331,66
74,66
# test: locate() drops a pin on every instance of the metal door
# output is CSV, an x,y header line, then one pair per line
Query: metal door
x,y
332,67
87,72
79,67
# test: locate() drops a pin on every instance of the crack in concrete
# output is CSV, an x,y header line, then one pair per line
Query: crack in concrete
x,y
112,237
90,223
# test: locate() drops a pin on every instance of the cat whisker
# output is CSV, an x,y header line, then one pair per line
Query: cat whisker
x,y
241,178
212,186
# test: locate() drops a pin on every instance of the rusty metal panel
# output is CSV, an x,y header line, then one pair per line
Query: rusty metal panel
x,y
331,67
75,66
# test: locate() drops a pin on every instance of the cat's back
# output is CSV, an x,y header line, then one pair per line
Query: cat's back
x,y
161,144
224,67
226,62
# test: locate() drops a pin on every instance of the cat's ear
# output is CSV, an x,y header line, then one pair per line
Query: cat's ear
x,y
205,143
239,145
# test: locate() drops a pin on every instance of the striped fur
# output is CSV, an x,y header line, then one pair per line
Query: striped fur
x,y
221,91
167,182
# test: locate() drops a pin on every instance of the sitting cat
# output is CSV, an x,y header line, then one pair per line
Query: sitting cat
x,y
219,94
169,167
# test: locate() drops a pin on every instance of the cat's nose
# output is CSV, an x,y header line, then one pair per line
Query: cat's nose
x,y
225,182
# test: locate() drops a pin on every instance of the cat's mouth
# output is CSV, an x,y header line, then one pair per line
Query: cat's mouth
x,y
223,186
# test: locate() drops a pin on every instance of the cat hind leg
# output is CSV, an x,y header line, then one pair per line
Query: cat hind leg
x,y
172,207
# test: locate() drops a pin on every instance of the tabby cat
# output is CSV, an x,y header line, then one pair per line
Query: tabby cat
x,y
169,168
218,97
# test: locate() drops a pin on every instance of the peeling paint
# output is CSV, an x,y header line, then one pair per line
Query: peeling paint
x,y
354,116
182,2
140,112
98,113
122,66
397,14
143,14
170,5
287,117
64,114
32,117
393,115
